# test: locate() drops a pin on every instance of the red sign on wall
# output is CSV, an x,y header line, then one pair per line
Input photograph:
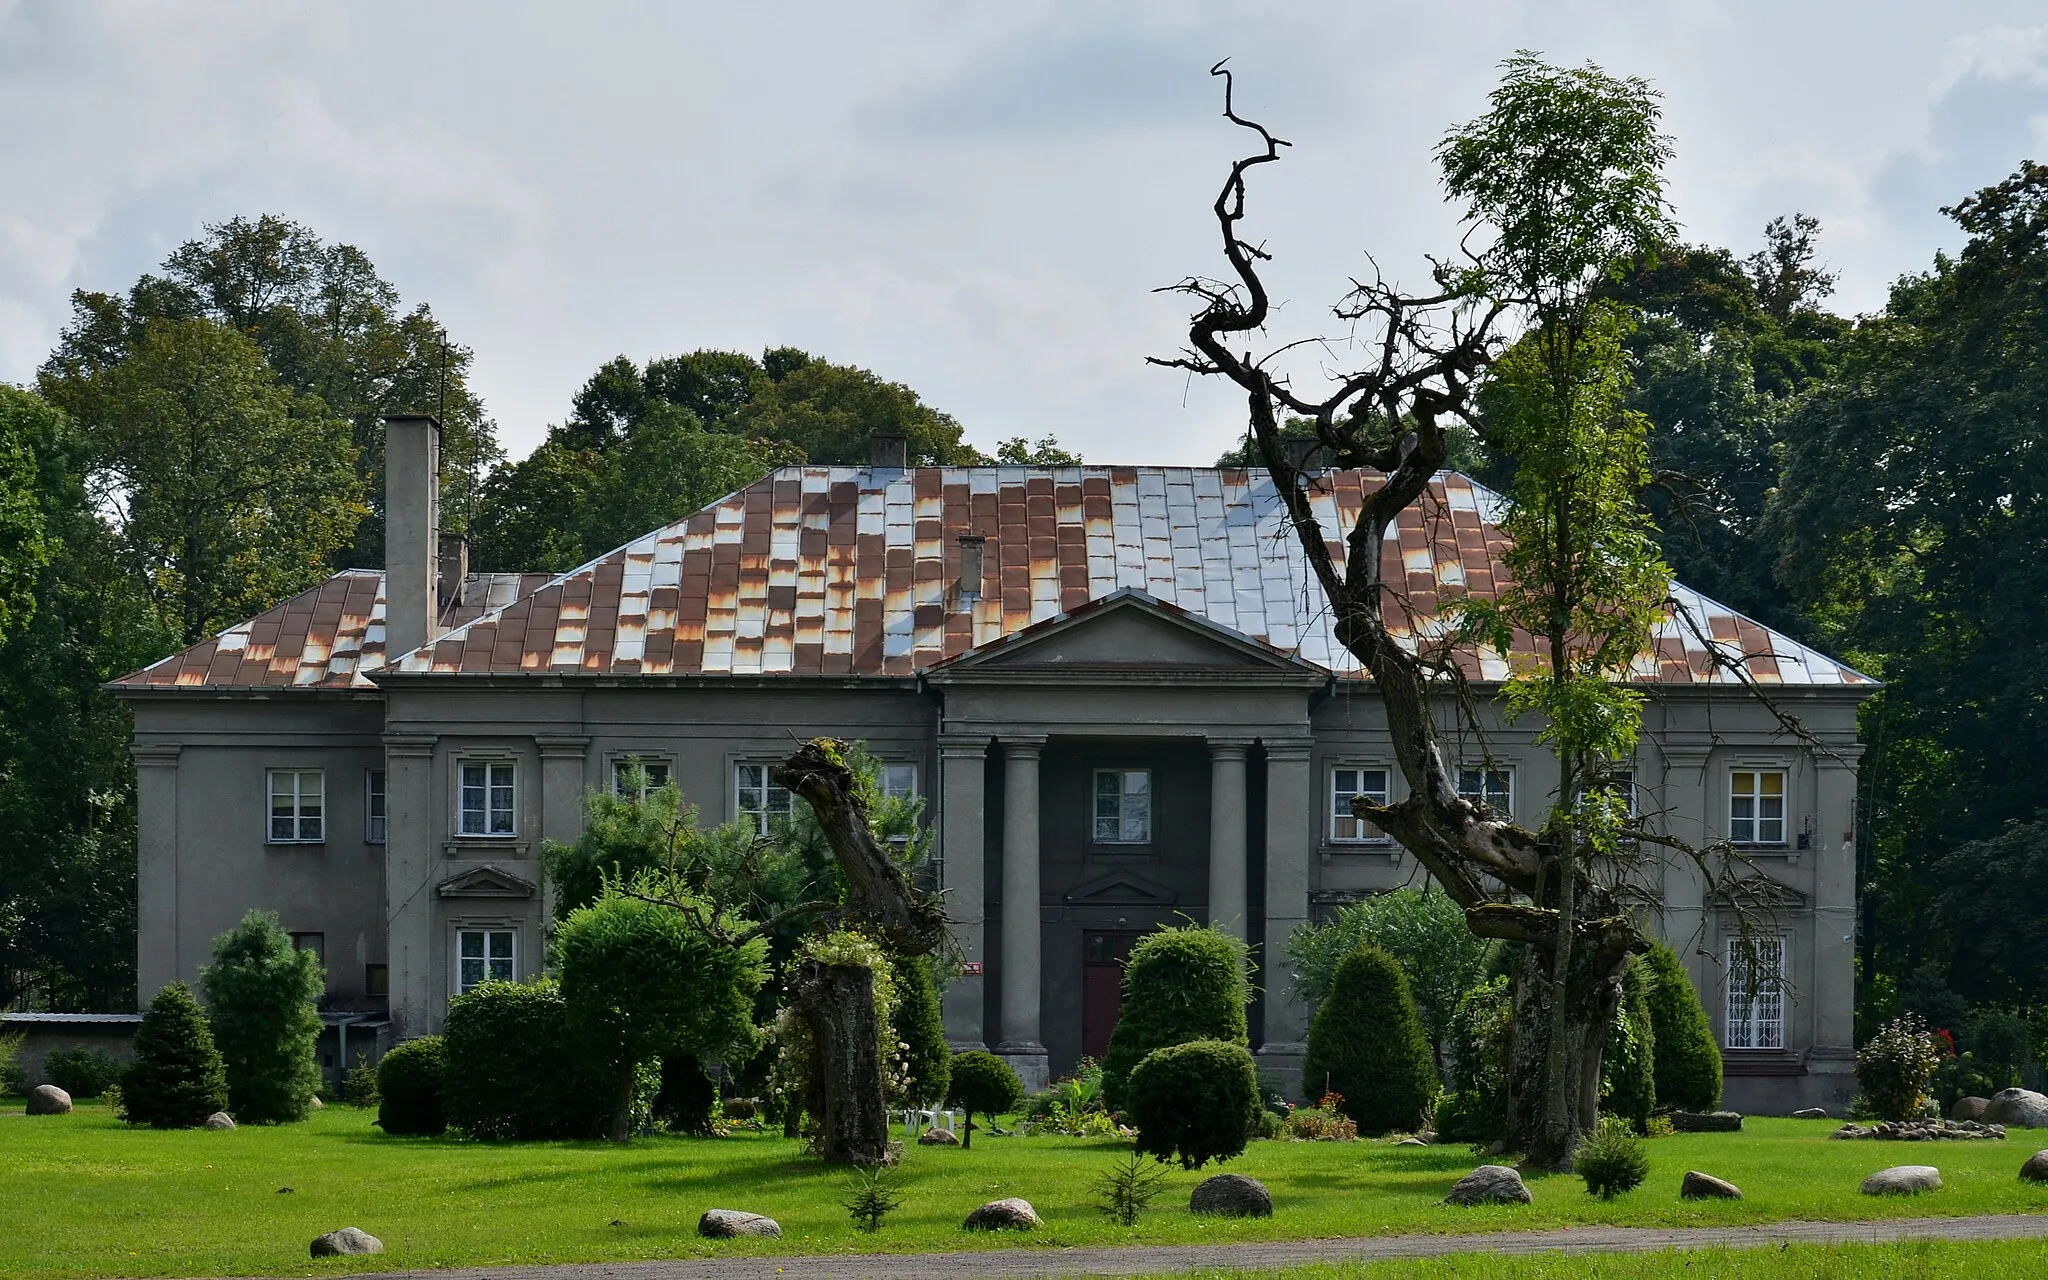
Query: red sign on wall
x,y
970,969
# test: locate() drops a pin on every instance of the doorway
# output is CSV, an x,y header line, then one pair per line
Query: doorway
x,y
1102,987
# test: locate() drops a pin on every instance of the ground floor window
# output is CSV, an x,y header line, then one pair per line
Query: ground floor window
x,y
636,777
1493,788
758,798
1756,993
899,781
483,954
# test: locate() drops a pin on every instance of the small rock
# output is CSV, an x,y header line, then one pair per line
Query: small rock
x,y
1969,1109
1705,1186
2017,1109
222,1120
287,1191
1489,1184
347,1241
1411,1142
318,1105
48,1100
2036,1168
1706,1121
1902,1180
1232,1195
1810,1113
727,1224
1010,1214
938,1138
1498,1147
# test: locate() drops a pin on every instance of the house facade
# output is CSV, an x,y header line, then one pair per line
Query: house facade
x,y
1115,688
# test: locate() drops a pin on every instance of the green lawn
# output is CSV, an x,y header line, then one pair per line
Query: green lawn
x,y
85,1195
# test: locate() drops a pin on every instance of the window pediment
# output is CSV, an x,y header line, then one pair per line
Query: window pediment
x,y
485,882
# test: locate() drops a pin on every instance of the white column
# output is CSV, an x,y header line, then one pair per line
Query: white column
x,y
1021,1044
962,812
156,870
1290,843
1227,836
415,952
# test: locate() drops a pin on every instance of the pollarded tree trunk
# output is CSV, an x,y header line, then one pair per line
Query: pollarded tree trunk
x,y
845,1096
1545,1126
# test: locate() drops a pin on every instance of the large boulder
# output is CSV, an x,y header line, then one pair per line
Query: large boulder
x,y
1969,1109
2036,1168
1903,1180
48,1100
1232,1195
1706,1121
1810,1113
220,1120
1010,1214
729,1224
2017,1109
346,1242
1705,1186
1489,1184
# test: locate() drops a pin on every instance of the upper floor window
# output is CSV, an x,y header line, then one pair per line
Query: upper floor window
x,y
1756,806
899,781
482,955
1123,806
1756,993
636,777
488,800
373,807
313,942
1347,783
1493,788
758,797
298,806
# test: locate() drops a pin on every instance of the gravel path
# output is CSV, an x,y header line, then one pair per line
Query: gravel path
x,y
1140,1260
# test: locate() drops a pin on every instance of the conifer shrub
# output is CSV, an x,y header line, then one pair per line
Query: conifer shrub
x,y
1475,1108
1628,1086
688,1098
411,1088
1612,1159
82,1073
1194,1102
983,1082
177,1078
1688,1063
13,1080
921,1027
261,995
1367,1044
514,1072
1179,985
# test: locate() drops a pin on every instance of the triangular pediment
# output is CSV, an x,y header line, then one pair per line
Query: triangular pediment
x,y
485,882
1120,889
1128,631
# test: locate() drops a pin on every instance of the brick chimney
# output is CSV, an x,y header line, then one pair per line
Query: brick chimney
x,y
888,451
412,531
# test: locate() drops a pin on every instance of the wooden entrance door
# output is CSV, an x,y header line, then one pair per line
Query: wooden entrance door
x,y
1102,988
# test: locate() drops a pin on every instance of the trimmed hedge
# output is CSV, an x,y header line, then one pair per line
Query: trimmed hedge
x,y
1194,1102
1179,985
1628,1066
177,1078
1367,1045
411,1081
921,1026
82,1073
260,997
513,1068
1688,1066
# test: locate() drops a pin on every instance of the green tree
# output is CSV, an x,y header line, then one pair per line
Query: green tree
x,y
1688,1061
980,1081
227,491
1367,1045
1045,453
1422,929
261,996
177,1078
1179,985
1194,1102
24,549
1628,1084
921,1027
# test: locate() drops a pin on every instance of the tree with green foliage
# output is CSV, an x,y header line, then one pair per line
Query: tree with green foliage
x,y
25,549
1046,452
921,1028
1559,181
412,1083
515,1069
261,998
1179,985
980,1081
1628,1065
1367,1046
177,1078
1194,1102
1474,1109
1688,1062
1421,928
688,1100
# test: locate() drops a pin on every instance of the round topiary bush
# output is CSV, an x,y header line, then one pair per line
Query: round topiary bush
x,y
922,1028
1179,985
1628,1086
1688,1062
1367,1045
82,1073
260,999
1194,1102
985,1083
177,1078
513,1071
410,1084
1612,1159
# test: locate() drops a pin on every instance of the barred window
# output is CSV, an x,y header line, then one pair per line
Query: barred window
x,y
1756,993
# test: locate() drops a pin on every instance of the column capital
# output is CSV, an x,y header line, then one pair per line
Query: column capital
x,y
409,744
156,755
555,746
1022,744
963,746
1229,748
1288,748
1839,755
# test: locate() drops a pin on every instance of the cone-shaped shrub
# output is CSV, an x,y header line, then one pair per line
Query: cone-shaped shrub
x,y
1194,1102
1179,985
1628,1086
177,1078
410,1081
260,998
983,1082
922,1028
1367,1045
1688,1066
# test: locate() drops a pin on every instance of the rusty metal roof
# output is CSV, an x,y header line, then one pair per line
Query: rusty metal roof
x,y
326,637
851,571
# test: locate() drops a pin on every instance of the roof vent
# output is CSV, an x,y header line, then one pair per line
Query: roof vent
x,y
970,567
888,451
1298,450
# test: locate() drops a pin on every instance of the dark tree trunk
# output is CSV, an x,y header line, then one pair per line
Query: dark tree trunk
x,y
1543,1125
846,1100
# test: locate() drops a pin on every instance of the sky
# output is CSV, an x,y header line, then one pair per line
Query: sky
x,y
976,200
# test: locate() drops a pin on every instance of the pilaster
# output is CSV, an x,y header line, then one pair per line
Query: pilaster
x,y
963,761
156,868
417,959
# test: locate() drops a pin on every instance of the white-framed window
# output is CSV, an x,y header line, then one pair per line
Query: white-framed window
x,y
487,803
1348,782
1123,806
1756,993
757,796
298,806
374,826
899,781
483,954
653,776
1620,781
1756,806
1492,787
